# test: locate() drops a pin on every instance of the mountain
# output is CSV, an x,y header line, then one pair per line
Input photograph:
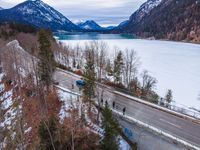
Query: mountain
x,y
1,8
38,14
90,25
167,19
144,10
122,24
137,16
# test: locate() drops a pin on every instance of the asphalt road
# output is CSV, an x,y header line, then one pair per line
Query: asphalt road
x,y
184,129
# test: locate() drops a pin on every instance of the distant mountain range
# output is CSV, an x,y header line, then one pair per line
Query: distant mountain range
x,y
160,19
166,19
90,25
38,14
1,8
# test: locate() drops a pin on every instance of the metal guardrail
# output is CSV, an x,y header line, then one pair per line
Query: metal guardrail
x,y
183,109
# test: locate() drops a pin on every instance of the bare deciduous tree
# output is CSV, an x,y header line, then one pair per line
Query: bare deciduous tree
x,y
148,83
100,58
131,63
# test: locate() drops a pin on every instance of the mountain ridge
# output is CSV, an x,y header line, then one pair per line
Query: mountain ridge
x,y
177,20
140,13
39,14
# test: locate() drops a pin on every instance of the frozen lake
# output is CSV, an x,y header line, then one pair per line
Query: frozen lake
x,y
175,65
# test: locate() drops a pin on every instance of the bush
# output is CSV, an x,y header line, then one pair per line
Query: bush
x,y
78,72
115,85
61,66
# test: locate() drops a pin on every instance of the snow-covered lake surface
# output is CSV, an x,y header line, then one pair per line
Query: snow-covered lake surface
x,y
175,65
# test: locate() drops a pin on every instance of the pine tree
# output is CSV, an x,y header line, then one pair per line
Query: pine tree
x,y
46,64
109,67
169,96
47,133
111,128
118,66
89,75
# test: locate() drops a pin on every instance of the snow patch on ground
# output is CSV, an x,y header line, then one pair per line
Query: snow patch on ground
x,y
11,111
7,99
28,130
1,76
69,101
123,145
9,114
1,88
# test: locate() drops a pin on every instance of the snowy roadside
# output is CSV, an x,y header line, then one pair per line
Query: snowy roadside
x,y
70,100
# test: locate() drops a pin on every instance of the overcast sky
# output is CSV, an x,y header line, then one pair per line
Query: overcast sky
x,y
104,12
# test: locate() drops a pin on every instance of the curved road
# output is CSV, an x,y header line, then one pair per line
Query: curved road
x,y
184,129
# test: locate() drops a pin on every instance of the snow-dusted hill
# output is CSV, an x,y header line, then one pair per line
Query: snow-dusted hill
x,y
39,14
90,25
144,10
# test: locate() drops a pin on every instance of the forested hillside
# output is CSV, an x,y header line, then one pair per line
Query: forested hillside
x,y
171,19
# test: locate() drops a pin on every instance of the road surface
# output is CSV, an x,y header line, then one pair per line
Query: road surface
x,y
184,129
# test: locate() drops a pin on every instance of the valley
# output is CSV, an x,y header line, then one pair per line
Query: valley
x,y
127,77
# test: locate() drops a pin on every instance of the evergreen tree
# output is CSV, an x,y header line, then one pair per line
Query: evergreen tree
x,y
111,128
118,66
74,62
169,96
46,65
46,132
109,67
89,75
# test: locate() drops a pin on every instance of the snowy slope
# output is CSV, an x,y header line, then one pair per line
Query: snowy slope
x,y
144,10
39,14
